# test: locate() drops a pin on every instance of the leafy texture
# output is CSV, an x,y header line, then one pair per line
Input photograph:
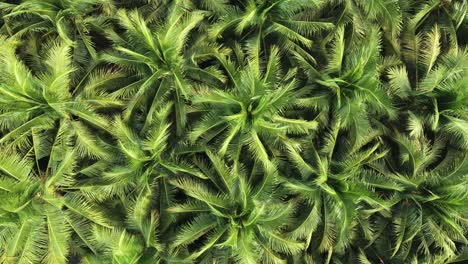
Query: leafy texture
x,y
233,131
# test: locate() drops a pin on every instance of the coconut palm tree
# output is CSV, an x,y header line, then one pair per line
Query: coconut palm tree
x,y
42,221
137,241
429,86
388,15
137,162
291,23
448,15
154,56
33,104
428,216
251,112
237,214
345,93
72,21
335,187
120,246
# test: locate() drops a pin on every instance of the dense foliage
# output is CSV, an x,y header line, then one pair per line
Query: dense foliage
x,y
233,131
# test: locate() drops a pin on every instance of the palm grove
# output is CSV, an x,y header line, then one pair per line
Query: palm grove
x,y
233,131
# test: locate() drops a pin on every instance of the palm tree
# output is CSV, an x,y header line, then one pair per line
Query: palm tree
x,y
430,87
251,112
449,16
290,23
346,91
428,216
135,242
41,219
138,162
155,56
332,182
120,246
72,21
33,104
138,173
387,15
237,214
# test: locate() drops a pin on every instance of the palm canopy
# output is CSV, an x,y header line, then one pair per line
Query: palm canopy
x,y
120,246
233,131
41,219
35,102
141,165
289,22
448,15
252,112
72,21
430,86
334,181
156,55
429,213
233,216
388,15
348,86
137,240
140,159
